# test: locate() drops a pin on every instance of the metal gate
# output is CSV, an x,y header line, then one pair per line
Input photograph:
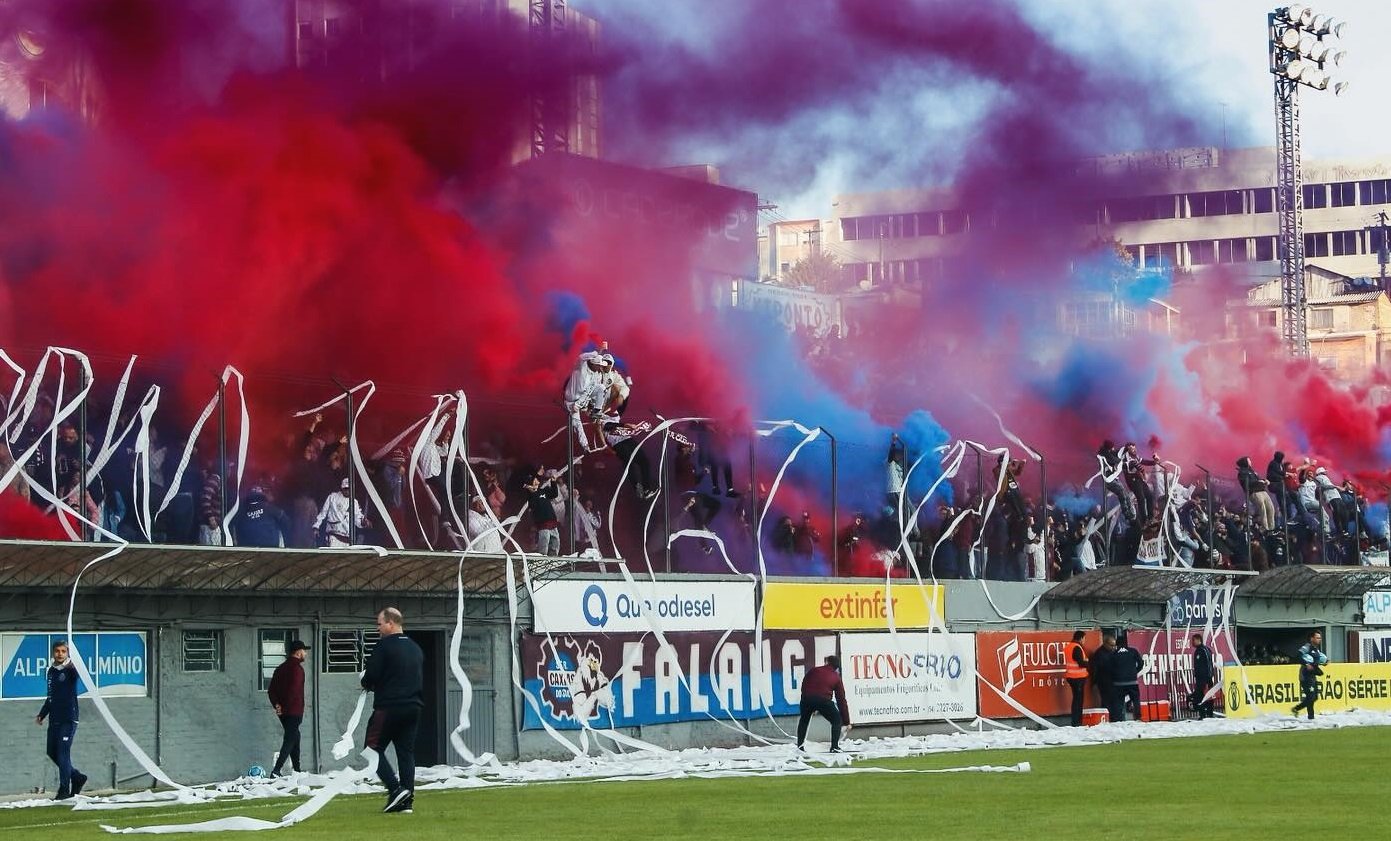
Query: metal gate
x,y
480,735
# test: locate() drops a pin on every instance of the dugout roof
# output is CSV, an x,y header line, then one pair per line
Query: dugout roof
x,y
1133,585
1304,582
29,566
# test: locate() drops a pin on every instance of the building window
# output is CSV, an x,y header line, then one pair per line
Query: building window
x,y
1161,255
306,30
1344,242
954,222
1268,319
847,230
1374,192
1343,194
346,651
1218,203
1231,251
272,647
1316,245
331,28
202,651
929,224
1321,319
1263,200
1200,253
1316,195
1265,248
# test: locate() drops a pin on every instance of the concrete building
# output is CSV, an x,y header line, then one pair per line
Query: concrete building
x,y
1185,209
1349,319
387,37
788,243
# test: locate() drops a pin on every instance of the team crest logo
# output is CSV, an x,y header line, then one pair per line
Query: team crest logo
x,y
573,683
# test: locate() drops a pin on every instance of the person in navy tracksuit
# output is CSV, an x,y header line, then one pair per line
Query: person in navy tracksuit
x,y
60,708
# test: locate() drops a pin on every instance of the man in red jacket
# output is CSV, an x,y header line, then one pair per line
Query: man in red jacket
x,y
819,687
287,698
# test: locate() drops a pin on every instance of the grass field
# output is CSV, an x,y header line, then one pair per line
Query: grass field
x,y
1323,784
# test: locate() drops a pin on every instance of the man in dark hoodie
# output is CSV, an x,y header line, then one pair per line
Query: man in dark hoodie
x,y
1111,470
260,523
60,708
286,694
1275,475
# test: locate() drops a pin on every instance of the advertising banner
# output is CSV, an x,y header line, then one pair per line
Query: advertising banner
x,y
908,677
792,307
852,607
1169,661
616,606
118,661
1273,690
1376,607
626,680
1027,667
1370,646
1191,608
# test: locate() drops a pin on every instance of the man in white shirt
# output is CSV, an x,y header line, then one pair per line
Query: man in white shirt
x,y
333,518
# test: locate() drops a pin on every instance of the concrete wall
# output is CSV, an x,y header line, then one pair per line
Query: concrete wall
x,y
205,726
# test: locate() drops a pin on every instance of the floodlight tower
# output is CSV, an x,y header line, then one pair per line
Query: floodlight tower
x,y
550,106
1303,46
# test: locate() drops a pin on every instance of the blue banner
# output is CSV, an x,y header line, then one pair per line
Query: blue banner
x,y
627,680
118,661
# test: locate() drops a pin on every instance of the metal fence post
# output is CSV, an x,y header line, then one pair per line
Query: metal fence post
x,y
81,504
222,461
835,499
352,475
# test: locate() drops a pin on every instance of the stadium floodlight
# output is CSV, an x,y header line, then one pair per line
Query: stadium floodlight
x,y
1314,78
1303,49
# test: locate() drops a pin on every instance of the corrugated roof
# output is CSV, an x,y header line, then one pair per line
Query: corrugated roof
x,y
1147,585
1303,582
26,565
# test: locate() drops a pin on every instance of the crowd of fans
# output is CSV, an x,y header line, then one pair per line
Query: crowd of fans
x,y
1135,514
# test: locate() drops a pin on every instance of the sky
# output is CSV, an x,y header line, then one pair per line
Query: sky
x,y
913,131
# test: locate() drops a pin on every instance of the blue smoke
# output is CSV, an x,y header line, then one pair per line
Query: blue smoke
x,y
564,311
1074,501
1377,515
1099,380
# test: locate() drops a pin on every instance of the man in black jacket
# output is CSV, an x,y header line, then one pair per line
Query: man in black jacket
x,y
1124,667
60,708
1202,678
394,675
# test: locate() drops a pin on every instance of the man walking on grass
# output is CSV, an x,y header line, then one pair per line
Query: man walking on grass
x,y
1311,663
60,708
394,675
287,699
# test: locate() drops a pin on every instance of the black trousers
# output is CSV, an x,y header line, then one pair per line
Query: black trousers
x,y
394,726
641,464
289,743
1310,691
1079,697
1203,708
828,710
60,739
1119,696
1144,499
